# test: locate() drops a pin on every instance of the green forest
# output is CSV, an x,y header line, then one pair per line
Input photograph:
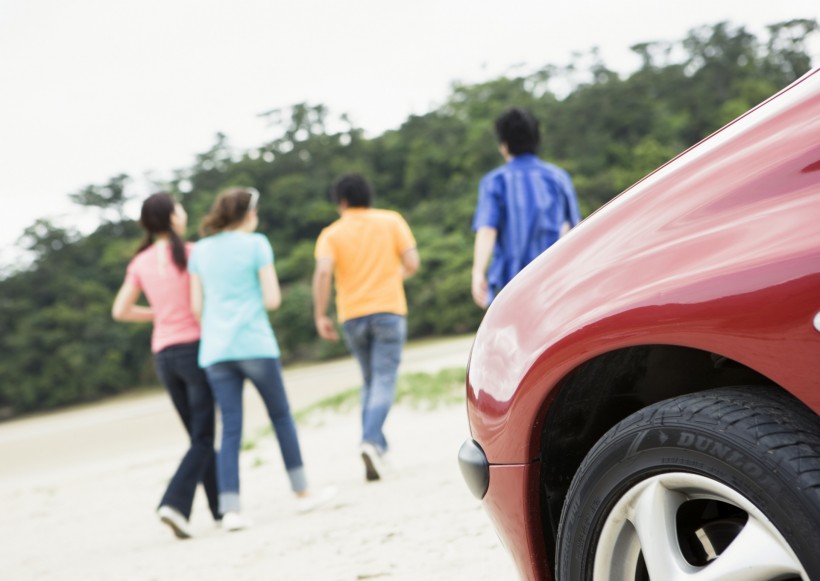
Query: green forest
x,y
60,346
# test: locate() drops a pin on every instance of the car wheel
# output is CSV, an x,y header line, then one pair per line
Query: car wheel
x,y
722,484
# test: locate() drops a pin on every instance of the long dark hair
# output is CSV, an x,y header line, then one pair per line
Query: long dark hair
x,y
155,218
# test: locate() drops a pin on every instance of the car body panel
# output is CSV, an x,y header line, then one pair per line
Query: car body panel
x,y
718,250
508,505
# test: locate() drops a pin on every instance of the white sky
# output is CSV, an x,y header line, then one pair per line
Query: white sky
x,y
93,88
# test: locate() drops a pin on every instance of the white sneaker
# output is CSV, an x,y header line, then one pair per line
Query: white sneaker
x,y
314,500
388,469
174,519
372,462
233,521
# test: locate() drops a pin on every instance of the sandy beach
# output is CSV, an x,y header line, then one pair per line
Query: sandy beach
x,y
79,489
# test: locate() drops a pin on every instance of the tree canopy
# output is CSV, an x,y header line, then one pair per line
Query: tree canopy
x,y
60,346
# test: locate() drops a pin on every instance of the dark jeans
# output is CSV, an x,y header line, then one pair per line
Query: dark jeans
x,y
188,387
376,341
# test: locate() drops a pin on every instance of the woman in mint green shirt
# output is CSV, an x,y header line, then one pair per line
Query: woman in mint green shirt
x,y
233,285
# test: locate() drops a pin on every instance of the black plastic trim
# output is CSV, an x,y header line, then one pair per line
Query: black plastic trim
x,y
474,467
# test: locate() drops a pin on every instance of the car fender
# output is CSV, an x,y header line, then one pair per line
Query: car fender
x,y
696,255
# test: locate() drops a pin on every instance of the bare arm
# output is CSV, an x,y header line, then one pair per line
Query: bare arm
x,y
322,281
125,307
565,228
196,296
271,294
410,262
483,250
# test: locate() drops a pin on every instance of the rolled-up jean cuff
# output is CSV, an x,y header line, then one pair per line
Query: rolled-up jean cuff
x,y
298,479
228,502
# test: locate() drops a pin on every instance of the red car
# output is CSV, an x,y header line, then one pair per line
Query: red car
x,y
643,398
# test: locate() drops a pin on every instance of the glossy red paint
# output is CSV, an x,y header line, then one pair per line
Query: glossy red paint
x,y
718,250
509,505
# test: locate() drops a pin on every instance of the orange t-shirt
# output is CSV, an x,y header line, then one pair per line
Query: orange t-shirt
x,y
366,247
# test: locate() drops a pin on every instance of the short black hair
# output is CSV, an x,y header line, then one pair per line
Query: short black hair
x,y
353,189
518,130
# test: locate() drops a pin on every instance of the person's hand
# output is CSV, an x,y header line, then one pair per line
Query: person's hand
x,y
326,328
481,294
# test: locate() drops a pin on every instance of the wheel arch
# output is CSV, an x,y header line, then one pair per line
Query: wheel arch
x,y
602,391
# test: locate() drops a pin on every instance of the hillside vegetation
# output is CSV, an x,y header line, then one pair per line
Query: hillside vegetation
x,y
58,344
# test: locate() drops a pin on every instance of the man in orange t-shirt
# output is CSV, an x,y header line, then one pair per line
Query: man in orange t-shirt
x,y
369,252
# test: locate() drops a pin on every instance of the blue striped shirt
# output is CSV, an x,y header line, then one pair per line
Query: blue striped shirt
x,y
527,201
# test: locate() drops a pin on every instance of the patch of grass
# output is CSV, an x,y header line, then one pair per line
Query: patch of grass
x,y
341,402
430,390
419,390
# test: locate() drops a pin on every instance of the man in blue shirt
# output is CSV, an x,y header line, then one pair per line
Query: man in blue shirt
x,y
523,207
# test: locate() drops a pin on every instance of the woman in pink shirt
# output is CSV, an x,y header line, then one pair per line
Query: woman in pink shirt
x,y
159,272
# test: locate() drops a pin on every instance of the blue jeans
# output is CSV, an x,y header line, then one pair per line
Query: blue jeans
x,y
376,341
190,393
226,379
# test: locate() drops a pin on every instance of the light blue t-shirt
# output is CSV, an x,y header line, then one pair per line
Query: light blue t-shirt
x,y
235,324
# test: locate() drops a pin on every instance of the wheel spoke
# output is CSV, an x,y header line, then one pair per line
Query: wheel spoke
x,y
654,517
755,555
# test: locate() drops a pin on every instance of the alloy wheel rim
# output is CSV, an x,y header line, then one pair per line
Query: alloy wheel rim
x,y
647,535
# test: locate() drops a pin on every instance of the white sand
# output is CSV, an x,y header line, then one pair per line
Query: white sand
x,y
78,491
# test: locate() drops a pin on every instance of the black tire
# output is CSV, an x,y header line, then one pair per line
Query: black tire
x,y
759,442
